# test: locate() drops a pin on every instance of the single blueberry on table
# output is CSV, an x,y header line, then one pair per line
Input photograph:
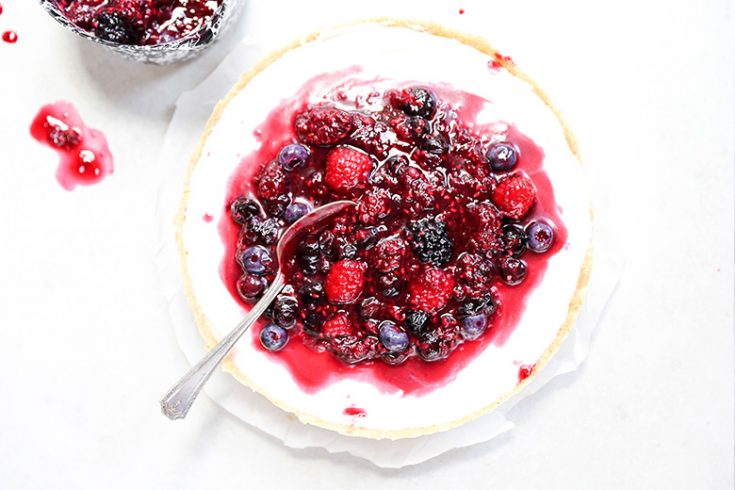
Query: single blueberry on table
x,y
293,156
393,338
540,236
474,326
502,157
295,211
273,337
256,260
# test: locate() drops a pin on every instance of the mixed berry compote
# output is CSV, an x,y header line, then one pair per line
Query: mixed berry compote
x,y
453,226
140,22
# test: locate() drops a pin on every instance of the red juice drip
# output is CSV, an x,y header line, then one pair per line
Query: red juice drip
x,y
1,9
10,37
461,11
525,371
208,218
84,157
355,412
314,369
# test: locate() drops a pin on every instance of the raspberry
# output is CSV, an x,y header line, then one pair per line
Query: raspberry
x,y
388,254
323,126
339,325
430,241
345,281
431,291
515,196
486,232
474,275
347,169
272,183
376,204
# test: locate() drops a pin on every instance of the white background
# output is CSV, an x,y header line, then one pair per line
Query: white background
x,y
86,348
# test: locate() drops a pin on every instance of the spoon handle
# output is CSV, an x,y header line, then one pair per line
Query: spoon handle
x,y
177,402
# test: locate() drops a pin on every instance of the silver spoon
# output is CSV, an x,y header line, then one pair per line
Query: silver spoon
x,y
179,399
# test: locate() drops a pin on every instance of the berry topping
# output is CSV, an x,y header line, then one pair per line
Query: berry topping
x,y
293,156
243,210
430,241
474,326
431,290
295,211
323,126
256,260
515,196
442,222
347,169
393,338
273,337
345,281
540,236
415,101
502,157
512,270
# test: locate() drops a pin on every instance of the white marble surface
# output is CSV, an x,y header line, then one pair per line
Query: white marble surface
x,y
85,344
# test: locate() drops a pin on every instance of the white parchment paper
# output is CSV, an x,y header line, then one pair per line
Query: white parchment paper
x,y
192,112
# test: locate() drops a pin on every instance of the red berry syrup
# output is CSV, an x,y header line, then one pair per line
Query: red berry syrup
x,y
84,157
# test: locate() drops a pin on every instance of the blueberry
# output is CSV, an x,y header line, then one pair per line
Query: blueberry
x,y
251,287
310,245
474,326
309,264
392,338
295,211
256,260
540,236
293,156
285,311
502,157
273,337
243,210
436,145
512,270
514,239
347,250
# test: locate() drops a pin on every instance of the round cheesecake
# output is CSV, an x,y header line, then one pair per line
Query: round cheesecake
x,y
489,151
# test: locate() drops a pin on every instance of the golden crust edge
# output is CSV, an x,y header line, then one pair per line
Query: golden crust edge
x,y
202,321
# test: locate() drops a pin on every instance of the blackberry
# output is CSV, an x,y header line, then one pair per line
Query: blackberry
x,y
113,27
264,231
430,241
309,264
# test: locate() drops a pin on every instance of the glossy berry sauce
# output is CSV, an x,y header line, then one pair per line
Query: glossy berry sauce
x,y
525,371
444,209
84,157
140,22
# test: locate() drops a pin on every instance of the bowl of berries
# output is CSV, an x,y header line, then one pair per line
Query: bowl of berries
x,y
150,31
